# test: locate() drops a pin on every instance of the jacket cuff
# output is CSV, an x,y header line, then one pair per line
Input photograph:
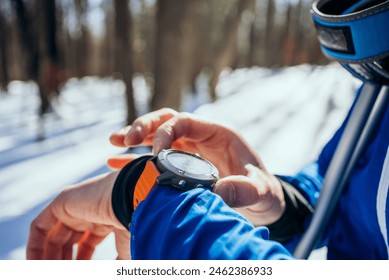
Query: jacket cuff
x,y
292,221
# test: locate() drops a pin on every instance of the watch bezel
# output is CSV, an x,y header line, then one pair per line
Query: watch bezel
x,y
178,176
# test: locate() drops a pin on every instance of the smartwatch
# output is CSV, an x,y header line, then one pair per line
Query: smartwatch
x,y
172,168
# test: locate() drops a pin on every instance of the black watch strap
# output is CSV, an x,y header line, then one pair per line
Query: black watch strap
x,y
123,190
291,223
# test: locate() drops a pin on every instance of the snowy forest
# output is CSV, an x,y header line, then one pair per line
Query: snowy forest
x,y
168,42
74,71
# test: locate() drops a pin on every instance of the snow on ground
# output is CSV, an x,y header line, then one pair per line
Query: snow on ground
x,y
286,114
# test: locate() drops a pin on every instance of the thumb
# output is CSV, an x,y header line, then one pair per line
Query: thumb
x,y
237,191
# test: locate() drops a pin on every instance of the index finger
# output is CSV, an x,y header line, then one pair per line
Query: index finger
x,y
142,129
190,127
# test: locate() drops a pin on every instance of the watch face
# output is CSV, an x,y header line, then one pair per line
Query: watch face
x,y
184,170
189,163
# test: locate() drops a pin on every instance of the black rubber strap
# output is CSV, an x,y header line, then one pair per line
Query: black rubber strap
x,y
291,223
123,190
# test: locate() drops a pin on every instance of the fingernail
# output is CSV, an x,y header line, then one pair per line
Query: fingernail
x,y
125,130
156,145
138,129
250,168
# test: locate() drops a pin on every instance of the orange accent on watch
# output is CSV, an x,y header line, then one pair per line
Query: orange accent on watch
x,y
146,182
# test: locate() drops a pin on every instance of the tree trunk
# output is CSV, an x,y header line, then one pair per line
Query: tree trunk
x,y
288,51
227,49
123,47
253,45
47,79
4,76
173,51
81,41
269,33
29,46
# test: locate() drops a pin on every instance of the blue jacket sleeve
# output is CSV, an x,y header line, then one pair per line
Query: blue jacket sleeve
x,y
197,224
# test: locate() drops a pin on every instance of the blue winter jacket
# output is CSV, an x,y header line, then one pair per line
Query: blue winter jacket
x,y
171,224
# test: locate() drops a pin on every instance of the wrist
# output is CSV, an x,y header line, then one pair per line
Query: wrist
x,y
177,169
104,206
111,215
88,201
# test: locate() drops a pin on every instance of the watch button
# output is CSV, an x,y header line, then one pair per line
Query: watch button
x,y
182,184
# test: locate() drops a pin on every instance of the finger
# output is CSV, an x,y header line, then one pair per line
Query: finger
x,y
237,191
87,245
117,138
68,249
122,242
184,125
119,161
39,231
143,128
58,242
137,137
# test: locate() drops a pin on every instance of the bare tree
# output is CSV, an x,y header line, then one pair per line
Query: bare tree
x,y
4,75
174,48
123,52
81,39
29,46
48,78
39,47
171,41
227,48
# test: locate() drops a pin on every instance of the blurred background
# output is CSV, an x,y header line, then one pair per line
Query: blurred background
x,y
74,71
169,43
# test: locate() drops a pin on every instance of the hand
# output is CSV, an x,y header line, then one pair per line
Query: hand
x,y
258,196
166,128
82,215
245,185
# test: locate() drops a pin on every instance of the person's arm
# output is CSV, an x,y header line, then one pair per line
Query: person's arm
x,y
197,224
169,224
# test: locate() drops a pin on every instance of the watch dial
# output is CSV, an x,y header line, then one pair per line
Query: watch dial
x,y
189,163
